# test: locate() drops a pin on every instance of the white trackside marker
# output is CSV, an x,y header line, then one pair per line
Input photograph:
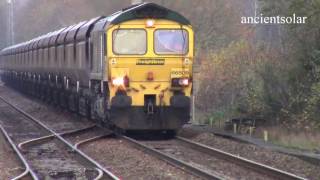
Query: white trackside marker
x,y
77,86
67,83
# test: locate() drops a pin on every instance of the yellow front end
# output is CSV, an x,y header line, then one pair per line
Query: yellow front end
x,y
150,62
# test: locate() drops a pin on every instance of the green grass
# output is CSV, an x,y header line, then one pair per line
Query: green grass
x,y
287,138
296,140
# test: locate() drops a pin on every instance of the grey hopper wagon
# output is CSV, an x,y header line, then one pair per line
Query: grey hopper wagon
x,y
77,52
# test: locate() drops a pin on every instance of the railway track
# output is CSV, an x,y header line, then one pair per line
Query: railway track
x,y
261,168
201,165
165,150
45,153
134,167
174,161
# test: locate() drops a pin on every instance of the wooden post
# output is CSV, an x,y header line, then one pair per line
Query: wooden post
x,y
265,136
235,128
251,130
211,122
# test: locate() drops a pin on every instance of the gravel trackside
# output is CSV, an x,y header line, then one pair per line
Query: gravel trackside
x,y
10,165
278,160
130,163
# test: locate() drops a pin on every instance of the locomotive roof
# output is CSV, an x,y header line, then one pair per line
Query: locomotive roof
x,y
146,10
138,11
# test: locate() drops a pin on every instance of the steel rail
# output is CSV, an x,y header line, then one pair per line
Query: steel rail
x,y
173,161
28,170
52,136
90,140
100,174
264,169
110,174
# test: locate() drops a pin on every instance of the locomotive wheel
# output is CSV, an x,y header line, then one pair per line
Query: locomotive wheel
x,y
170,133
84,107
93,115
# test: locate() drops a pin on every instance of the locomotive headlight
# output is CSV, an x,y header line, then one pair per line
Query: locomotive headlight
x,y
150,23
184,82
119,81
180,82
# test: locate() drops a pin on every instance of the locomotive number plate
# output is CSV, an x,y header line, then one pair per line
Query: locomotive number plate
x,y
150,62
178,73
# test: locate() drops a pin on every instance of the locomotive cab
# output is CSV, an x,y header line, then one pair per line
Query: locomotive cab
x,y
150,74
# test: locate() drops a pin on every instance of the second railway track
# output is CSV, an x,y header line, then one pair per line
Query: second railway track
x,y
207,162
54,157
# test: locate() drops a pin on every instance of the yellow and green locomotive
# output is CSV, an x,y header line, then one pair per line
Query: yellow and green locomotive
x,y
131,70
